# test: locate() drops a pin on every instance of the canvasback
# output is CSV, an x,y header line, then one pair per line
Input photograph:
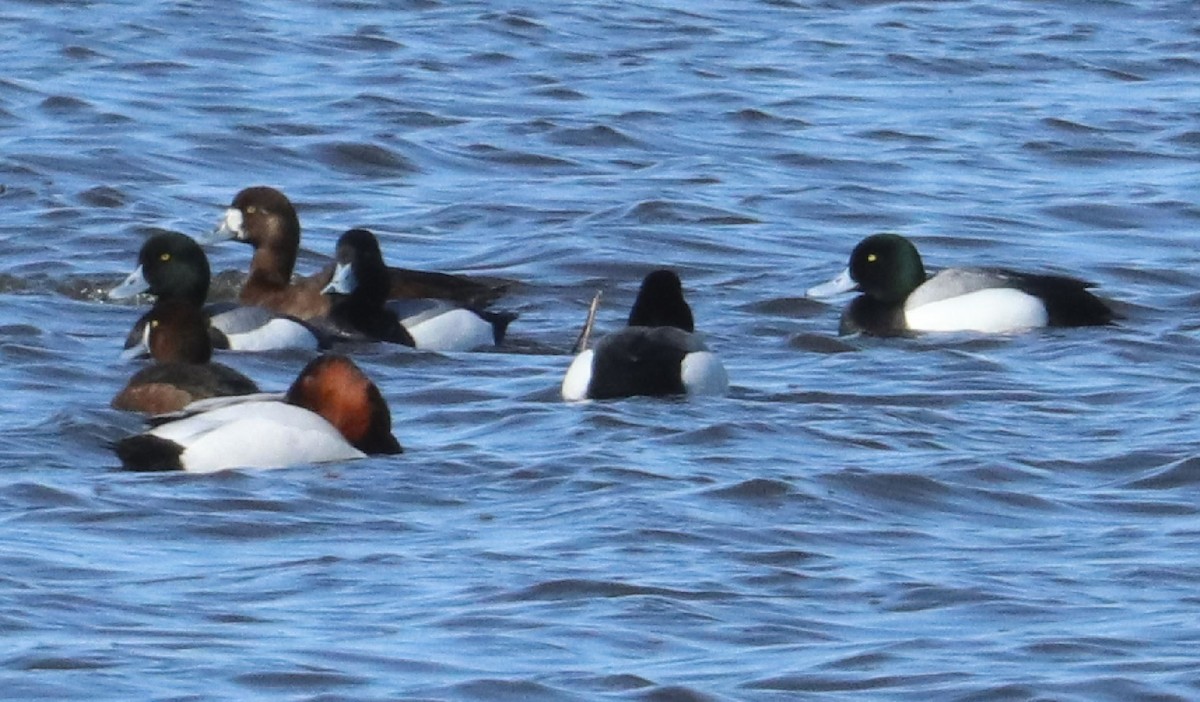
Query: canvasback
x,y
332,412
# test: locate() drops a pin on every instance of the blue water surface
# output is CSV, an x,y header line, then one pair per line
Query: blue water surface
x,y
950,517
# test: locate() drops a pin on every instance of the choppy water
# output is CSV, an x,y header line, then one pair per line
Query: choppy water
x,y
952,518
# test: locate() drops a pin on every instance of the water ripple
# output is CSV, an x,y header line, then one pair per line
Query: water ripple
x,y
956,517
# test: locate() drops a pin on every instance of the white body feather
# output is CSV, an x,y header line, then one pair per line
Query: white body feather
x,y
701,371
255,434
255,329
579,374
449,328
993,311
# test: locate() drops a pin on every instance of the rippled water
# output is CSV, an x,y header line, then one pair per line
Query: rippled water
x,y
951,518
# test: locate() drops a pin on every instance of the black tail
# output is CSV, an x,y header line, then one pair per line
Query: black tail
x,y
499,322
147,453
1068,301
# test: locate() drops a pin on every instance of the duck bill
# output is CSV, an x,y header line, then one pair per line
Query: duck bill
x,y
843,283
134,284
231,226
134,352
138,347
343,281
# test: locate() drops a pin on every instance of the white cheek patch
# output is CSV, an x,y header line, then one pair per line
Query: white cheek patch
x,y
991,311
233,221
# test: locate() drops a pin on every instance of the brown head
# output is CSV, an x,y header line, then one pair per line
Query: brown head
x,y
264,218
337,389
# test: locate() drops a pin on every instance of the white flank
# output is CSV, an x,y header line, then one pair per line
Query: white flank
x,y
456,329
579,375
278,333
703,374
256,435
992,311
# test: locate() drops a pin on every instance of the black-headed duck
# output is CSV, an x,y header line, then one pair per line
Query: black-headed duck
x,y
658,353
359,289
176,336
898,298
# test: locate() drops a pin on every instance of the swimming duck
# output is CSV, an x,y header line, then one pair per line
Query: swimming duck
x,y
176,336
265,218
359,289
898,298
658,353
172,266
332,412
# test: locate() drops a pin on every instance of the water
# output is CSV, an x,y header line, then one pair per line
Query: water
x,y
952,518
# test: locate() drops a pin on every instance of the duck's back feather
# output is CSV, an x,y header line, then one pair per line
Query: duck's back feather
x,y
1068,301
1031,299
640,361
231,437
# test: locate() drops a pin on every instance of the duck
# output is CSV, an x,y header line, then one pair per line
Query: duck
x,y
657,353
898,298
265,218
173,266
176,337
332,412
359,289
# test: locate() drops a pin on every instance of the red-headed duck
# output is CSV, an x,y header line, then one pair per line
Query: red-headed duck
x,y
658,353
266,219
176,336
173,267
332,412
359,290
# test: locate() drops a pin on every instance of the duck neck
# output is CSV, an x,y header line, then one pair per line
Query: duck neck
x,y
179,333
271,267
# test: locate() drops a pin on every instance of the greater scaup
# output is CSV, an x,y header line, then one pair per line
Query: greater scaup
x,y
172,266
898,298
359,290
332,412
658,353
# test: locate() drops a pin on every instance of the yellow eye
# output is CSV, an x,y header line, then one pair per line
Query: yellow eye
x,y
871,258
251,209
153,323
164,257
